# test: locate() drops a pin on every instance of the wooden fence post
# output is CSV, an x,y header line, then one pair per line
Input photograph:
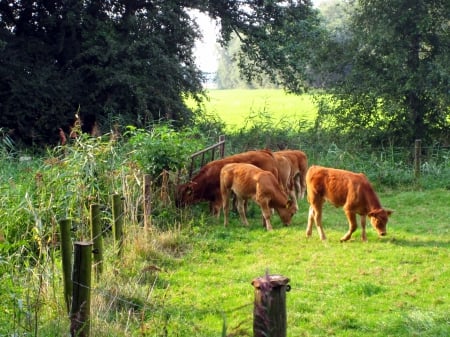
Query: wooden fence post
x,y
81,298
417,159
66,259
222,146
97,238
147,191
269,312
117,208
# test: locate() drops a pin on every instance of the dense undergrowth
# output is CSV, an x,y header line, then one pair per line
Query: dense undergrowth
x,y
37,191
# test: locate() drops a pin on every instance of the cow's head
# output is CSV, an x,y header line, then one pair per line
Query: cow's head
x,y
379,219
286,213
185,194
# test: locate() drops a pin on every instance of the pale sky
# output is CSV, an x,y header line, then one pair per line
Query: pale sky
x,y
205,51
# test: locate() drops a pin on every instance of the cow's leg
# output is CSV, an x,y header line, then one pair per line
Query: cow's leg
x,y
266,213
363,228
310,221
216,205
294,198
226,205
302,186
351,216
315,213
241,210
298,187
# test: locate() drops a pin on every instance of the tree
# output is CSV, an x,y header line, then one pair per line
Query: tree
x,y
394,72
130,60
228,72
279,41
127,60
386,66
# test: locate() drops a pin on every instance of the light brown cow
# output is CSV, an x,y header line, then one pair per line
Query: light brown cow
x,y
285,175
346,189
205,185
250,182
299,166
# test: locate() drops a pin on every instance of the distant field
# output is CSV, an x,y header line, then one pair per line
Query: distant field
x,y
236,107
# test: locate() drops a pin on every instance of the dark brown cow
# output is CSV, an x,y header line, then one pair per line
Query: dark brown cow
x,y
299,166
346,189
205,185
250,182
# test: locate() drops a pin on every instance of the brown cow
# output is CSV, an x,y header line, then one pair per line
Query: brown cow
x,y
299,166
205,185
284,171
346,189
248,181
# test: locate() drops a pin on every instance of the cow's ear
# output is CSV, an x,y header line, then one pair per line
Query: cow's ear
x,y
389,212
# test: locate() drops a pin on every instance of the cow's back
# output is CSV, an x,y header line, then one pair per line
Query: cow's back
x,y
299,162
337,186
205,185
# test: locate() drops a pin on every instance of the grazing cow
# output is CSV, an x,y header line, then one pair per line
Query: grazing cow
x,y
346,189
205,185
248,181
284,171
299,166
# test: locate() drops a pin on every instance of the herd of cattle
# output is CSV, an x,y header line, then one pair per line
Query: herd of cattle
x,y
275,181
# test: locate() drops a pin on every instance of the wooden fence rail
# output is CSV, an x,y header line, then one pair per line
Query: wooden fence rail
x,y
220,146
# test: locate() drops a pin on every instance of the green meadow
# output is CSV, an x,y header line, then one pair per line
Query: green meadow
x,y
191,276
238,108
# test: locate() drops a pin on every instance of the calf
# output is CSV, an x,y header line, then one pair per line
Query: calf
x,y
248,181
299,166
205,185
346,189
285,176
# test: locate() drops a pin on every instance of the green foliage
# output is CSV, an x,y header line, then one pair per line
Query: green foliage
x,y
162,148
132,61
279,41
228,72
393,81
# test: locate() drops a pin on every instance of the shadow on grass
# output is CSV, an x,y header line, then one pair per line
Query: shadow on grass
x,y
414,242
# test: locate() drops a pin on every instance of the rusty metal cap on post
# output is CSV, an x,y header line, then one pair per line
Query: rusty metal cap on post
x,y
270,280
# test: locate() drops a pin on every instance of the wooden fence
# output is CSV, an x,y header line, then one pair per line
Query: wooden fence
x,y
219,147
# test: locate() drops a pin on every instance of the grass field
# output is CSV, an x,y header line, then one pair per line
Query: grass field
x,y
239,107
190,276
395,286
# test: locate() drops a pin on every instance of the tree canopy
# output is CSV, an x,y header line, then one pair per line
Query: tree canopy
x,y
131,62
125,61
398,74
385,64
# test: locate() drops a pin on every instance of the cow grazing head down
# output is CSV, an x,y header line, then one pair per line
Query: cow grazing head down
x,y
378,219
351,191
247,182
205,185
286,213
184,195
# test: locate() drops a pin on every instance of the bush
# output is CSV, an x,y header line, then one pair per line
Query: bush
x,y
162,148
